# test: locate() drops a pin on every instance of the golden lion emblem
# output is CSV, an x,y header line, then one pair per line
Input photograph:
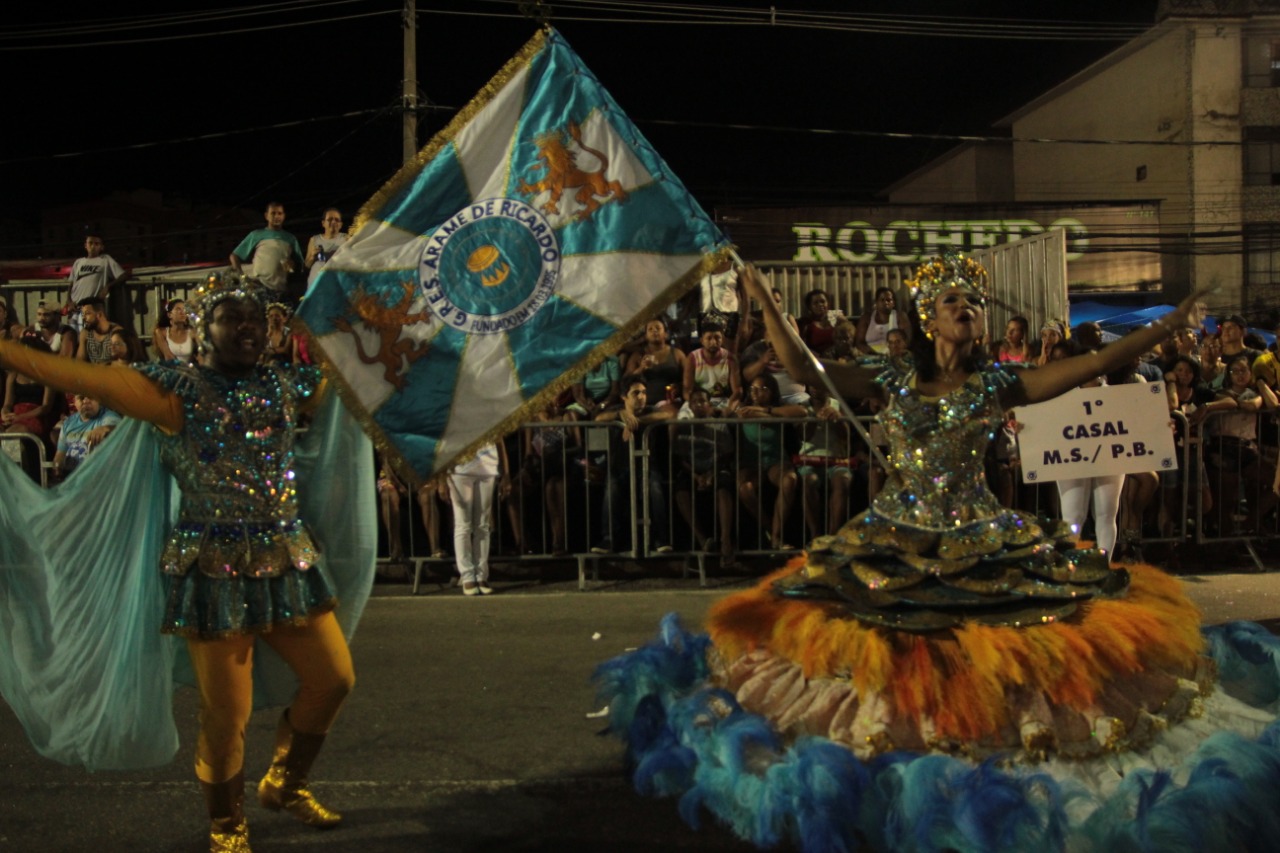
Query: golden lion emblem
x,y
563,174
388,321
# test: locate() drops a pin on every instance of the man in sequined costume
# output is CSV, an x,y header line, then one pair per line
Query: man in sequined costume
x,y
239,564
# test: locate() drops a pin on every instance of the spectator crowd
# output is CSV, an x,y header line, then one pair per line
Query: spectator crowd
x,y
694,437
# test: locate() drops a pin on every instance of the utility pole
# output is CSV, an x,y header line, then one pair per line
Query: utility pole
x,y
409,94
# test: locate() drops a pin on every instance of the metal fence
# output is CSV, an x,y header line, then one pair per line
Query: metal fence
x,y
699,491
28,451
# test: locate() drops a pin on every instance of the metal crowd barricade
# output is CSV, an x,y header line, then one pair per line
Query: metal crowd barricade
x,y
708,475
1239,479
11,446
563,474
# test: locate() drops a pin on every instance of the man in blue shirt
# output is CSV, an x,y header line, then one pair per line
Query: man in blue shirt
x,y
82,431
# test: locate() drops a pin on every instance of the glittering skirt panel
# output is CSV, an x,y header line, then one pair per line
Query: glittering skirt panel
x,y
197,605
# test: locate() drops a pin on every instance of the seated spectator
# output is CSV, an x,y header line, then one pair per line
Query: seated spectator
x,y
786,315
817,326
600,390
635,414
1086,337
82,431
10,326
824,464
1014,347
763,455
659,366
126,347
843,344
29,408
280,342
874,326
899,352
713,368
761,358
60,337
1052,332
703,455
172,336
95,331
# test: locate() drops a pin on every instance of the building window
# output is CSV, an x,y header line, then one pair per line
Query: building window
x,y
1261,264
1262,156
1262,61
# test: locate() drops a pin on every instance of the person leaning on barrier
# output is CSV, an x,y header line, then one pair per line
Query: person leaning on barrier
x,y
703,448
763,454
635,414
1233,448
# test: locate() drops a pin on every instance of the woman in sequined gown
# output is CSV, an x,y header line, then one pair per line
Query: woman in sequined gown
x,y
239,564
904,630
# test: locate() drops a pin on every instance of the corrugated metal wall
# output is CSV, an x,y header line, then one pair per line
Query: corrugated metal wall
x,y
1028,277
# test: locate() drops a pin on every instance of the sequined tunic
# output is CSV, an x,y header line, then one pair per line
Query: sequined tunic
x,y
239,558
936,547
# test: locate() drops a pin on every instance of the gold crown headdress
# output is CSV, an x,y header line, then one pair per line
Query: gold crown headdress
x,y
217,288
951,270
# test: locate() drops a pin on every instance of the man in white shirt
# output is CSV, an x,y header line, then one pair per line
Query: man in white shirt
x,y
91,276
272,253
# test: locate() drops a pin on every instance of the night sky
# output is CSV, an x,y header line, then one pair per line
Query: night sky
x,y
682,83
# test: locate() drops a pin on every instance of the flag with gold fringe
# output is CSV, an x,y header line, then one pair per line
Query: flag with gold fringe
x,y
528,240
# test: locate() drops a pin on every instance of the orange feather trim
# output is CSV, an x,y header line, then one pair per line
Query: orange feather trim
x,y
962,679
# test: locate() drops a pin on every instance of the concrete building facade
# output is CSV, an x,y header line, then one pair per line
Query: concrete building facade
x,y
1186,118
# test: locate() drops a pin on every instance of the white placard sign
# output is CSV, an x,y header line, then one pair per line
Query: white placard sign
x,y
1093,432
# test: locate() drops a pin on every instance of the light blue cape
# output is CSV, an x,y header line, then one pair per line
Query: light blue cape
x,y
83,664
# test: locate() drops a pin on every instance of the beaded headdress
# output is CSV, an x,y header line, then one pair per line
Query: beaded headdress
x,y
218,288
951,270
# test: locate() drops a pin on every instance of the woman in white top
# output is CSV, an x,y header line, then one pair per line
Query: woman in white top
x,y
172,335
874,326
321,247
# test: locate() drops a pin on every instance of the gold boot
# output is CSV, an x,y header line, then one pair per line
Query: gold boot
x,y
285,785
228,832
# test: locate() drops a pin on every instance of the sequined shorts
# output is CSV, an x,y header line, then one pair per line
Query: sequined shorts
x,y
200,606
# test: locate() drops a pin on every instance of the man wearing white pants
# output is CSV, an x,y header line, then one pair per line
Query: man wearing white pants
x,y
471,486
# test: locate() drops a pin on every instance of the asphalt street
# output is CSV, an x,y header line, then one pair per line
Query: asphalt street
x,y
473,727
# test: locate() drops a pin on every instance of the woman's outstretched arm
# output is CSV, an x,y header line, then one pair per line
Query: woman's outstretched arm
x,y
128,392
1058,377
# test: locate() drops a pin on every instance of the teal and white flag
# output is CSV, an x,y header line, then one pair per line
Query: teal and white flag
x,y
529,239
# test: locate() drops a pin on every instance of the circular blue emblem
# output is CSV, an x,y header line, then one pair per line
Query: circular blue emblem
x,y
490,267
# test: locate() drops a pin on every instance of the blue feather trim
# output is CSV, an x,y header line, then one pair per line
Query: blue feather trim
x,y
690,740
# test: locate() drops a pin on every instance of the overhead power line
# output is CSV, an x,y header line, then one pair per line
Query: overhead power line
x,y
194,24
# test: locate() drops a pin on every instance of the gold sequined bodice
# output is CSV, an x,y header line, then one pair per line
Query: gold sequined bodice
x,y
936,448
936,548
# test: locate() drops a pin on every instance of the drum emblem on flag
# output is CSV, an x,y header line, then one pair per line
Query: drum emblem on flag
x,y
490,267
